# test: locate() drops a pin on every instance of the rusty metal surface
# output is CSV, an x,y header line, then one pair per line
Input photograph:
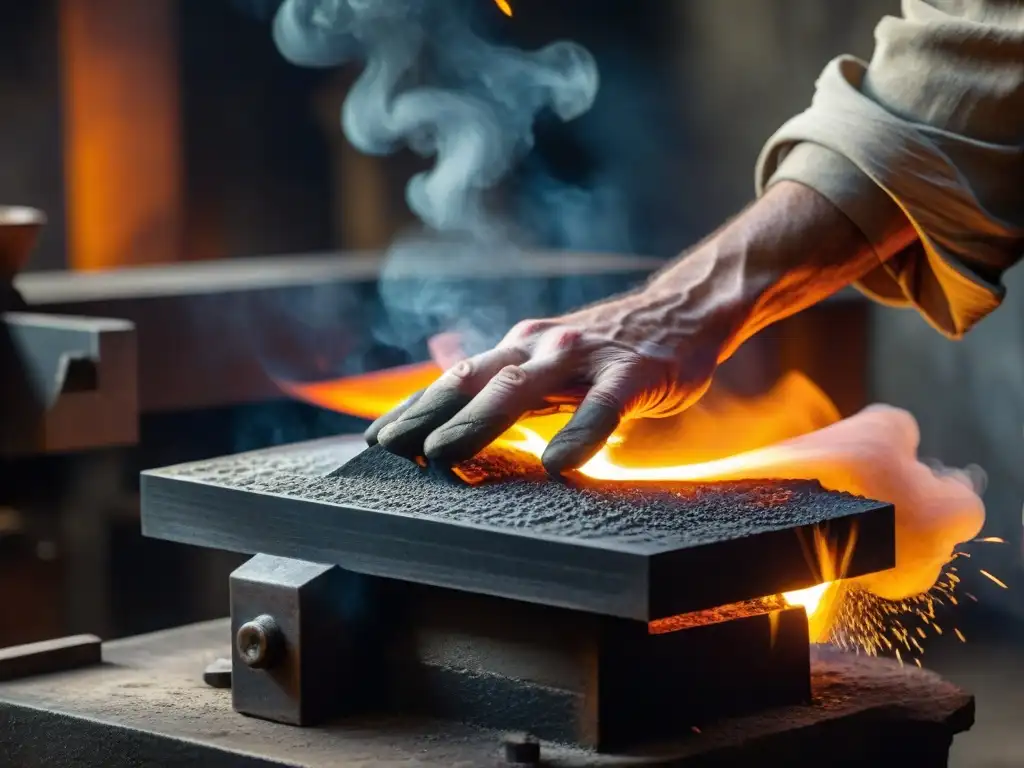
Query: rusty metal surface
x,y
149,706
69,384
610,548
49,656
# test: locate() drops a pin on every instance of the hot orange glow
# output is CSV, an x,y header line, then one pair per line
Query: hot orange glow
x,y
121,128
505,7
367,396
720,430
792,432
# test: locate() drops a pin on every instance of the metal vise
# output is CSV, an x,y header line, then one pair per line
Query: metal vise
x,y
67,383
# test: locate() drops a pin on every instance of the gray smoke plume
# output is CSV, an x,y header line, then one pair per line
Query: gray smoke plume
x,y
430,83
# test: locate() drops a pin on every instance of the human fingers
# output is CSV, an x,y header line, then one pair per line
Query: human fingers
x,y
444,399
594,421
370,435
514,392
445,351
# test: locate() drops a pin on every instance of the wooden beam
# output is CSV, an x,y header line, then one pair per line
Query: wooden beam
x,y
122,131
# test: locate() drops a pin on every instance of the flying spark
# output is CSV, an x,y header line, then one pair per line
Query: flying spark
x,y
868,624
992,578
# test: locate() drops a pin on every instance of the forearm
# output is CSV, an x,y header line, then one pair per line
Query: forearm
x,y
930,131
785,253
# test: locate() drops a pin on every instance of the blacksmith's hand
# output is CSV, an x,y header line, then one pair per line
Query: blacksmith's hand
x,y
619,359
646,354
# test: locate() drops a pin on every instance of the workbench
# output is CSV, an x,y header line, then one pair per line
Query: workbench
x,y
147,705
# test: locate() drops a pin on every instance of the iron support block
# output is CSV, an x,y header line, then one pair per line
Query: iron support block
x,y
308,646
294,635
588,680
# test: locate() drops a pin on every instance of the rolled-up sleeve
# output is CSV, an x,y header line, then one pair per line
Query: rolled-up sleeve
x,y
930,131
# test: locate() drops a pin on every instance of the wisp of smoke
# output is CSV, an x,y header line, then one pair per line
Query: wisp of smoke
x,y
433,85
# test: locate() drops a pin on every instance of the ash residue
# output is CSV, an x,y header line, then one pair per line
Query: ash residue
x,y
519,496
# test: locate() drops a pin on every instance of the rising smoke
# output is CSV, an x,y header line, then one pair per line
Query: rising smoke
x,y
433,85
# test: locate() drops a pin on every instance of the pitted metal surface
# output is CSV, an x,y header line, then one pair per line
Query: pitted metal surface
x,y
519,496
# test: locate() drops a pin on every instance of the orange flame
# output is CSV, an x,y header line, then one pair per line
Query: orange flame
x,y
792,432
723,435
505,7
369,395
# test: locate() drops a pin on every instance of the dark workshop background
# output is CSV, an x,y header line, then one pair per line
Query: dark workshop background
x,y
159,130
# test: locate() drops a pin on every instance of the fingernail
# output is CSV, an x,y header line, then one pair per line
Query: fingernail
x,y
462,440
401,439
452,445
371,433
562,457
438,446
554,461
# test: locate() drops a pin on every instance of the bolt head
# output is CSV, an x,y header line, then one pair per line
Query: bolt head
x,y
218,674
521,748
259,642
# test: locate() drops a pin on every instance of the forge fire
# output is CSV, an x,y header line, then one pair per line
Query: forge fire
x,y
793,432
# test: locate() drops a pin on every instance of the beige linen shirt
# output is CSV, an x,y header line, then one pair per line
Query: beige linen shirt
x,y
930,130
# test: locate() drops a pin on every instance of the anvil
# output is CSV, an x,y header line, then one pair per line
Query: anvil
x,y
518,601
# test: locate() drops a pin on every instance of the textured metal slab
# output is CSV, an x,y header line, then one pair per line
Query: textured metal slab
x,y
150,706
638,552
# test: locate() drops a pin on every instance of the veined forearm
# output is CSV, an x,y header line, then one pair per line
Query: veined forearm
x,y
787,252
